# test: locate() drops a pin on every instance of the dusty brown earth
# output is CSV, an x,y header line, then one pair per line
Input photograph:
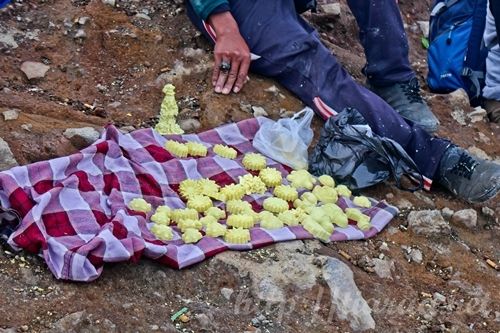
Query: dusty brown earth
x,y
434,281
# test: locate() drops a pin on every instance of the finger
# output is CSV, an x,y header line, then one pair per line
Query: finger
x,y
216,71
242,75
221,79
231,78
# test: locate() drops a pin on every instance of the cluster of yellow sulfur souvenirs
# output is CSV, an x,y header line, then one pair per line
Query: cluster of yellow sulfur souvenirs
x,y
315,208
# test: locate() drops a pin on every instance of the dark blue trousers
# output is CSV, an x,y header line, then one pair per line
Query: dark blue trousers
x,y
291,52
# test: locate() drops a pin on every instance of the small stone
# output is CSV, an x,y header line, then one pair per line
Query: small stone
x,y
184,318
80,33
389,196
272,89
189,125
11,114
459,99
487,211
143,16
203,320
483,138
466,217
34,70
83,20
478,152
447,213
114,105
383,268
478,114
25,328
82,137
259,111
428,223
331,9
416,256
227,292
27,127
109,2
245,107
424,27
7,159
383,247
154,327
439,298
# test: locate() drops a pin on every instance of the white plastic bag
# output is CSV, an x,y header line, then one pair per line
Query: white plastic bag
x,y
287,139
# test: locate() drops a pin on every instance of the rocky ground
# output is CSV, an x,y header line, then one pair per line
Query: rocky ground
x,y
434,269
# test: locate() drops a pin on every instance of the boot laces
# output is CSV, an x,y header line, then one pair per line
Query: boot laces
x,y
411,90
465,166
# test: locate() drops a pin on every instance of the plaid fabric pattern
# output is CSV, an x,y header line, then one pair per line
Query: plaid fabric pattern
x,y
74,211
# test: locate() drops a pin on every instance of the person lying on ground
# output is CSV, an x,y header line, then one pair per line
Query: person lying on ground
x,y
270,38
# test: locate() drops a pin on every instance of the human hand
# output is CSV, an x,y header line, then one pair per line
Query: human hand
x,y
232,55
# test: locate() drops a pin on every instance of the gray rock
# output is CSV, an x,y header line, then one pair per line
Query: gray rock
x,y
7,159
203,320
487,211
81,137
8,330
447,213
331,9
80,33
383,268
272,89
189,125
83,20
245,107
269,291
11,114
428,223
27,127
424,27
259,111
227,292
439,298
459,99
34,70
466,217
415,255
478,114
109,2
143,16
346,297
114,105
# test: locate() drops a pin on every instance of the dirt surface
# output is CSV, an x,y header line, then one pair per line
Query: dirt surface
x,y
108,65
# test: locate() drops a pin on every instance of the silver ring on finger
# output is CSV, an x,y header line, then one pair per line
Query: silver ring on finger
x,y
225,66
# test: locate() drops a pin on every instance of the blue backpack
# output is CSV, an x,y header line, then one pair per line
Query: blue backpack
x,y
457,54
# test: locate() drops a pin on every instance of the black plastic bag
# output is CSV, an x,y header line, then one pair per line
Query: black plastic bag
x,y
350,153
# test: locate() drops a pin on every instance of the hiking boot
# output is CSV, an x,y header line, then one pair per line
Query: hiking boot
x,y
468,177
493,109
405,98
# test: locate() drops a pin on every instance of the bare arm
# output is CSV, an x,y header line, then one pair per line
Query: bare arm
x,y
231,48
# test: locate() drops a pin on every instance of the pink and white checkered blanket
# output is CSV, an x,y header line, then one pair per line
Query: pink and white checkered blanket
x,y
74,209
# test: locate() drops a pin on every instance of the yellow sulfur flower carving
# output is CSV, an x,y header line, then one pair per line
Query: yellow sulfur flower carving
x,y
191,236
275,205
162,232
335,214
237,236
162,215
271,177
237,206
343,190
254,161
196,149
289,218
240,221
225,151
178,215
252,184
140,205
286,192
189,224
301,179
216,212
200,203
232,192
326,180
325,194
362,201
215,229
176,148
271,222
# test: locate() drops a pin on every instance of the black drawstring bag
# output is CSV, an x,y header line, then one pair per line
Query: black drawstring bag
x,y
350,153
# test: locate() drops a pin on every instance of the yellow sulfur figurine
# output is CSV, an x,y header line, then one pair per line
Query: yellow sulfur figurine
x,y
161,216
189,224
176,148
325,194
189,188
237,236
271,177
200,203
162,232
336,215
215,229
196,149
237,206
191,236
318,215
289,218
225,151
305,206
343,190
140,205
286,192
275,205
254,161
232,192
240,221
205,220
326,180
316,229
362,220
264,214
178,215
362,201
216,212
301,179
252,184
327,226
208,187
271,222
168,111
309,198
